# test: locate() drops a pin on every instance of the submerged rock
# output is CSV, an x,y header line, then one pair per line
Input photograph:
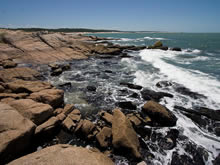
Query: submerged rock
x,y
176,49
148,94
132,86
126,105
65,155
159,114
124,137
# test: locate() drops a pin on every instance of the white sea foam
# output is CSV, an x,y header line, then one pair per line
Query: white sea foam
x,y
200,83
152,38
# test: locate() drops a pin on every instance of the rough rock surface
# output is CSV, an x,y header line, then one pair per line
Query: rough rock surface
x,y
159,113
8,75
53,97
123,134
36,112
47,127
21,86
65,155
103,136
15,132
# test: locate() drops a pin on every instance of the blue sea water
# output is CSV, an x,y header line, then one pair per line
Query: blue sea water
x,y
197,67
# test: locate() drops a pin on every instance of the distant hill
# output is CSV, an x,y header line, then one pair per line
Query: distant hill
x,y
67,30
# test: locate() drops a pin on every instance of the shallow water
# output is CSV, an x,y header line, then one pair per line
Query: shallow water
x,y
196,67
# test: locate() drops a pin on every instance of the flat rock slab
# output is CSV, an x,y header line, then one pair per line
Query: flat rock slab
x,y
65,155
21,86
36,112
12,74
15,132
53,97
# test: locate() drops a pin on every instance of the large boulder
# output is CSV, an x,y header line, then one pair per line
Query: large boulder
x,y
15,133
54,97
123,134
65,155
36,112
21,86
159,114
8,75
101,49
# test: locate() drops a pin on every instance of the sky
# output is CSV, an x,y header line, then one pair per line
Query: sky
x,y
135,15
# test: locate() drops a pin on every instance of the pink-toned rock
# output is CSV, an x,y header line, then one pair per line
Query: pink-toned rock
x,y
48,127
68,124
103,136
64,154
68,109
123,134
12,74
15,132
36,112
53,97
21,86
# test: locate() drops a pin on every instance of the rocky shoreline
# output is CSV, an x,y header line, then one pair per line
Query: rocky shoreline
x,y
37,127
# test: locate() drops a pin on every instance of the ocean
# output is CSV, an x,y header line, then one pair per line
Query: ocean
x,y
196,67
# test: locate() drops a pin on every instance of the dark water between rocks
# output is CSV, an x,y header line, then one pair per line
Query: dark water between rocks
x,y
97,84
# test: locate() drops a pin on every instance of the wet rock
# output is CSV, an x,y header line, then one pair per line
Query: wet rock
x,y
53,97
124,136
104,136
148,94
48,127
107,117
8,64
101,49
132,86
36,112
21,86
64,154
159,114
142,163
185,91
217,131
15,133
158,44
126,105
54,66
163,48
135,95
91,88
178,159
57,72
217,160
134,119
212,114
164,84
12,74
65,86
176,49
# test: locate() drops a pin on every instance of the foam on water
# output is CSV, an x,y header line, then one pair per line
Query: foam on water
x,y
152,38
200,83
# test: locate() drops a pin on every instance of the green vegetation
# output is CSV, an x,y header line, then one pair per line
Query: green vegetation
x,y
67,30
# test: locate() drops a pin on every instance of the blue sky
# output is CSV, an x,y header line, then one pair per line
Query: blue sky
x,y
158,15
